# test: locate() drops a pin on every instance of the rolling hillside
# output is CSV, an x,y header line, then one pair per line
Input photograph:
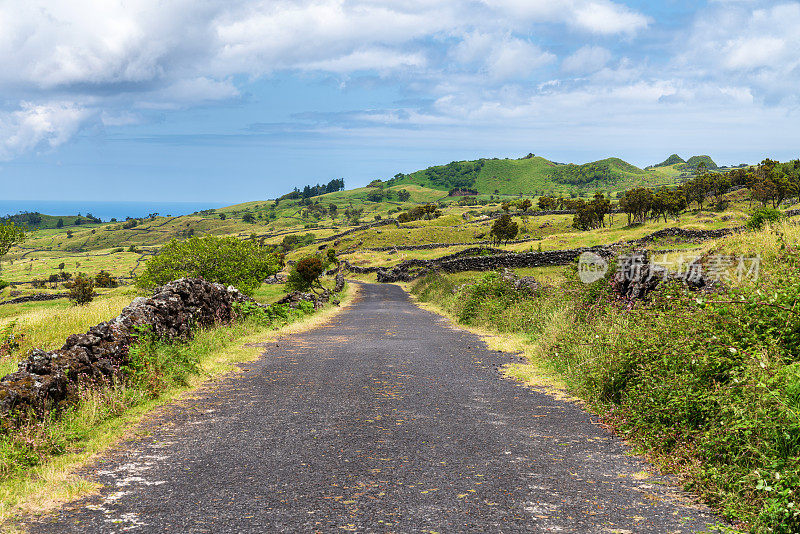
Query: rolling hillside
x,y
534,175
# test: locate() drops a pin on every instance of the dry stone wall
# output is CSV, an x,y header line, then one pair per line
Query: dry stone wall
x,y
412,269
48,379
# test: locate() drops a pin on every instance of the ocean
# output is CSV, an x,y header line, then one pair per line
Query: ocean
x,y
105,210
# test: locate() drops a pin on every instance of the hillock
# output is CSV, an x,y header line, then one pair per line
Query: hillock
x,y
674,159
532,175
694,161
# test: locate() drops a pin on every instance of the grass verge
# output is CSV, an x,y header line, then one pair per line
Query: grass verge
x,y
37,472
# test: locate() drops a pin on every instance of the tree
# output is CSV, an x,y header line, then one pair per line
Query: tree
x,y
525,205
592,214
403,195
81,290
547,203
248,218
330,257
305,274
60,223
226,260
10,235
333,209
504,229
222,216
637,203
104,279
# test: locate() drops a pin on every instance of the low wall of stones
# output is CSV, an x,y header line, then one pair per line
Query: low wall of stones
x,y
49,379
412,269
40,297
382,222
688,234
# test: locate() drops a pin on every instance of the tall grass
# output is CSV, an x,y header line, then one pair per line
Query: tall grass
x,y
48,328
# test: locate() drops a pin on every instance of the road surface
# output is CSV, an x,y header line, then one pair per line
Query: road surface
x,y
386,419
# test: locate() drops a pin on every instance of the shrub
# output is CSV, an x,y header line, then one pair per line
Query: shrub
x,y
81,290
305,274
3,284
154,365
274,315
721,205
504,229
291,242
248,218
104,279
330,256
763,216
226,260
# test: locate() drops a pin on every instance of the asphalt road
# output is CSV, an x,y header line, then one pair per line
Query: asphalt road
x,y
387,419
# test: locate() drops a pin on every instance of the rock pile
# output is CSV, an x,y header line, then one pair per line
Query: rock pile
x,y
48,379
636,276
520,283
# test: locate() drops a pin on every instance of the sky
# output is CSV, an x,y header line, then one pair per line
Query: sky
x,y
237,100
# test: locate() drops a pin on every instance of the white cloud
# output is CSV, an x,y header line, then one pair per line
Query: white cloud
x,y
65,64
608,18
586,59
594,16
379,59
752,46
35,126
502,57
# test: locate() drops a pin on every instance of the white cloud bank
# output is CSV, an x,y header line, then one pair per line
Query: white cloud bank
x,y
66,64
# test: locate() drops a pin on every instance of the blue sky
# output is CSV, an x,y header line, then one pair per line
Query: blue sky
x,y
234,100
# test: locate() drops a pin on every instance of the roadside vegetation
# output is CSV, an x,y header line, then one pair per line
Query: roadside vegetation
x,y
706,384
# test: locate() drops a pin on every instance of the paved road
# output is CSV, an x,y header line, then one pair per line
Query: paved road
x,y
384,420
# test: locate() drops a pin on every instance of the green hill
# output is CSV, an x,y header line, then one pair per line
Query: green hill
x,y
672,160
694,161
533,175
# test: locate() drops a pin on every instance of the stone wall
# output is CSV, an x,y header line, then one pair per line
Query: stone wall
x,y
49,379
334,237
698,235
412,269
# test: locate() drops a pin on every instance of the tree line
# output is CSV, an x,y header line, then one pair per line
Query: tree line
x,y
310,191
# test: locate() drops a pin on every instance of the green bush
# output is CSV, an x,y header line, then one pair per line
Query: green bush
x,y
104,279
226,260
3,284
81,290
154,364
763,216
305,274
275,315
